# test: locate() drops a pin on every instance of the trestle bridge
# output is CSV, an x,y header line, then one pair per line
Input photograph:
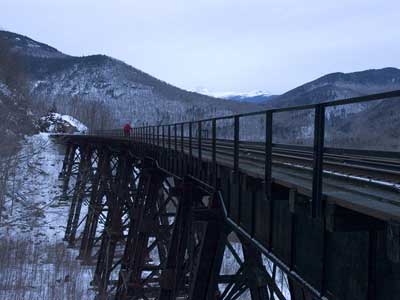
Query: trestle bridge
x,y
170,213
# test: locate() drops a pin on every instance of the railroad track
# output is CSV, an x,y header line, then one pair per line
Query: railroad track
x,y
361,180
381,167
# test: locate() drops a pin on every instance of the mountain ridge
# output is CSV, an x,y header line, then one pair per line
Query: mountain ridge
x,y
104,93
339,85
126,92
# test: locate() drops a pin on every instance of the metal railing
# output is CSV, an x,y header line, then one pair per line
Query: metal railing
x,y
186,134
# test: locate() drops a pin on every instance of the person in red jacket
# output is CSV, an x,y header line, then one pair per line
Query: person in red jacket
x,y
127,129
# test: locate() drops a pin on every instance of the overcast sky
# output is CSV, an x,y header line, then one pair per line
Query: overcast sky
x,y
221,45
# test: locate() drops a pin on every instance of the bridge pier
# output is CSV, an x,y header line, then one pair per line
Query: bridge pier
x,y
95,207
67,169
143,233
78,194
118,176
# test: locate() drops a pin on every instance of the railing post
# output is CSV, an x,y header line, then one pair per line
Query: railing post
x,y
214,152
319,134
163,136
235,191
153,132
135,134
190,148
169,148
176,138
268,154
163,145
183,157
236,144
158,135
199,165
268,175
142,137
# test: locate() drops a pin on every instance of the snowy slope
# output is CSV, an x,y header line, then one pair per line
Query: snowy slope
x,y
37,264
35,213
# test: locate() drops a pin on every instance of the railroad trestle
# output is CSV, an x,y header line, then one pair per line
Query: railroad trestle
x,y
165,214
152,234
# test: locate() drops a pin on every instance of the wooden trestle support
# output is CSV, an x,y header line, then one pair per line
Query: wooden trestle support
x,y
152,235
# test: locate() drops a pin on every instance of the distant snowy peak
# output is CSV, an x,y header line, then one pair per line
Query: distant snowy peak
x,y
57,123
230,95
252,96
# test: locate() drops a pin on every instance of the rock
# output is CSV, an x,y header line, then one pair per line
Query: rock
x,y
56,123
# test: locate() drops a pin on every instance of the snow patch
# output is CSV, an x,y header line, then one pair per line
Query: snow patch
x,y
74,122
4,90
57,123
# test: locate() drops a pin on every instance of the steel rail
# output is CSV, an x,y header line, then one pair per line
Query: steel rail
x,y
364,166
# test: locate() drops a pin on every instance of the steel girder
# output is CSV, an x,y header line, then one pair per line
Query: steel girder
x,y
152,235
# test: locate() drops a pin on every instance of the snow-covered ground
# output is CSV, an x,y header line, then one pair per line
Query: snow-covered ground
x,y
34,262
35,212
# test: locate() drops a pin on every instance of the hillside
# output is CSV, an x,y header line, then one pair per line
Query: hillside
x,y
339,86
124,92
104,93
16,117
371,125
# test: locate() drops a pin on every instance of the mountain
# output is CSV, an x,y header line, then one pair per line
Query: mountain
x,y
369,125
103,92
260,97
339,86
250,97
123,92
16,117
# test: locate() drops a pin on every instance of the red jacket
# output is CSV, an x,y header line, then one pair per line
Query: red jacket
x,y
127,127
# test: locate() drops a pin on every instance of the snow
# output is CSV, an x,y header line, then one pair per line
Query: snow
x,y
35,213
33,45
38,83
4,90
74,122
227,95
55,122
38,264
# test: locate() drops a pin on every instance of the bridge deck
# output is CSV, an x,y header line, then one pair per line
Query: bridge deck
x,y
361,193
